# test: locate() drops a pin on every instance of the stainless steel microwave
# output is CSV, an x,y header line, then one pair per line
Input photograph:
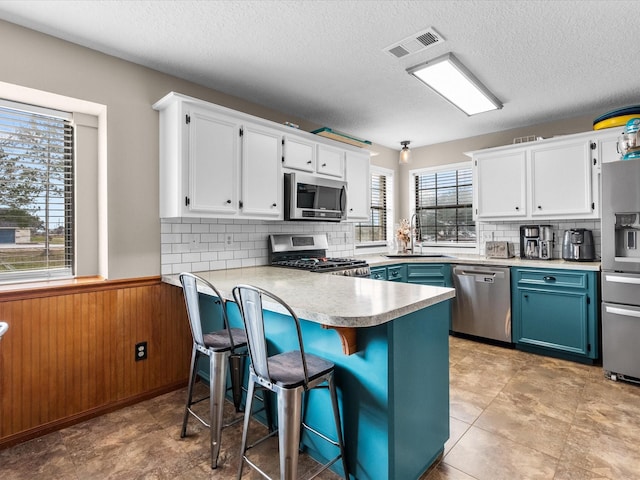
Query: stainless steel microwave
x,y
309,197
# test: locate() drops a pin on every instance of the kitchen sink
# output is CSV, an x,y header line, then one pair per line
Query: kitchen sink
x,y
424,255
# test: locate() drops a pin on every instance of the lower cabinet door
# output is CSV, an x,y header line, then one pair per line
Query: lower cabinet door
x,y
555,320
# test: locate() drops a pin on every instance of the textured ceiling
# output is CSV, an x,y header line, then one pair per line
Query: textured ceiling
x,y
324,61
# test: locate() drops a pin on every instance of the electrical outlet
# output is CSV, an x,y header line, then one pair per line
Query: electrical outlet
x,y
228,238
487,236
141,351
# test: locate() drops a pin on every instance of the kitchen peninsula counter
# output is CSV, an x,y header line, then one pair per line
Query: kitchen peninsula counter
x,y
331,300
393,389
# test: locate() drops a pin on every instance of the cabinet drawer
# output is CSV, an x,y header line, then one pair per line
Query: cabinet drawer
x,y
552,278
397,273
437,274
379,273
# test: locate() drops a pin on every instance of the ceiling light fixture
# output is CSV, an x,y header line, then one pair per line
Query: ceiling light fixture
x,y
405,153
455,83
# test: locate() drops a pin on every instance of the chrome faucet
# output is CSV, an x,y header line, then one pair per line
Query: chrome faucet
x,y
412,225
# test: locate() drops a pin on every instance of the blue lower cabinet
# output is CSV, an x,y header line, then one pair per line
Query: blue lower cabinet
x,y
555,312
397,273
393,273
435,274
379,273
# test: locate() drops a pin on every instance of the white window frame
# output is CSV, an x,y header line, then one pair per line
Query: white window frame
x,y
376,247
91,219
448,247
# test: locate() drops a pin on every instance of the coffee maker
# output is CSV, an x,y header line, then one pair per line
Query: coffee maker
x,y
536,242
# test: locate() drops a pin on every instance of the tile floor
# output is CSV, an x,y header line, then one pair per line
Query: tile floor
x,y
513,416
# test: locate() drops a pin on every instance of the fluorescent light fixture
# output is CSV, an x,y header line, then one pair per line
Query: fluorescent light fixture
x,y
449,78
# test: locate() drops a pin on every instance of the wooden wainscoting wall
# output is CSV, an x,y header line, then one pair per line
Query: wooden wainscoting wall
x,y
69,353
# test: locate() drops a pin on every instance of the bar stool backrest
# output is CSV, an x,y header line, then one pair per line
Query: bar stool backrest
x,y
189,283
249,299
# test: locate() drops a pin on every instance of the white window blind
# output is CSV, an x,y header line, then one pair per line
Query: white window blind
x,y
443,203
375,229
36,193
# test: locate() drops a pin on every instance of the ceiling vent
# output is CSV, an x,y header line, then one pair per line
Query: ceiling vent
x,y
415,43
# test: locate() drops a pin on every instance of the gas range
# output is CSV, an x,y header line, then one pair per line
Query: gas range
x,y
308,252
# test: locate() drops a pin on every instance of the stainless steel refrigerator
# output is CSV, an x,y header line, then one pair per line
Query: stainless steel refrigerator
x,y
621,270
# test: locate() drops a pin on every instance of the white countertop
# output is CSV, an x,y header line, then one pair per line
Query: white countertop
x,y
380,260
329,299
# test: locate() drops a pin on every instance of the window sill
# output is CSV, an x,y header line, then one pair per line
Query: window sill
x,y
51,288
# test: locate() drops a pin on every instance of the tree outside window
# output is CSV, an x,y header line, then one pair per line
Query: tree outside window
x,y
36,194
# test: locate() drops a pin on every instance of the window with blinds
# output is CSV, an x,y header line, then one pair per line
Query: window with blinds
x,y
375,229
443,203
36,193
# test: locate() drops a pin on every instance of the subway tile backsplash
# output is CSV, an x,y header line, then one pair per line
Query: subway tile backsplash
x,y
189,244
200,244
510,232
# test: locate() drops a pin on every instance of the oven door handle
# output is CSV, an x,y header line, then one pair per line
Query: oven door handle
x,y
622,311
620,279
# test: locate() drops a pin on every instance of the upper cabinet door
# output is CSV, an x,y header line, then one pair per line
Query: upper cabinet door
x,y
299,154
214,142
500,185
330,161
358,178
262,188
561,179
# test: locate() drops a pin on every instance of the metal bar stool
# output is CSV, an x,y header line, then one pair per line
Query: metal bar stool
x,y
223,347
288,375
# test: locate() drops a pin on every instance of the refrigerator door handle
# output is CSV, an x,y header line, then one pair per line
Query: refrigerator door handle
x,y
619,279
622,311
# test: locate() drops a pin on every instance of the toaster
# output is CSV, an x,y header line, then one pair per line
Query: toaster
x,y
495,249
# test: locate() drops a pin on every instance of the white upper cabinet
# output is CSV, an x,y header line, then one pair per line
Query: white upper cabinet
x,y
299,154
561,180
500,184
214,145
607,145
330,160
216,164
557,178
358,177
261,192
219,163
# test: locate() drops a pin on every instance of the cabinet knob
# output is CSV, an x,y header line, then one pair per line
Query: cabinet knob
x,y
324,164
539,207
228,201
309,162
394,274
517,208
273,204
526,296
549,278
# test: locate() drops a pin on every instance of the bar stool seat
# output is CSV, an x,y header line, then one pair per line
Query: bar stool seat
x,y
290,375
223,347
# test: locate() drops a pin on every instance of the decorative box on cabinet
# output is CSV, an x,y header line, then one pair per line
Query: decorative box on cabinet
x,y
555,312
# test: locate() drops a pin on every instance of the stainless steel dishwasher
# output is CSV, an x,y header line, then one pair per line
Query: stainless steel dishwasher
x,y
482,305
